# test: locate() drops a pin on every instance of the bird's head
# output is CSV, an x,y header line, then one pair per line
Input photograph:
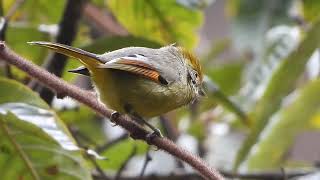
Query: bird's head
x,y
194,71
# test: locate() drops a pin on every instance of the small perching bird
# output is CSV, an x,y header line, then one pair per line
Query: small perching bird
x,y
139,81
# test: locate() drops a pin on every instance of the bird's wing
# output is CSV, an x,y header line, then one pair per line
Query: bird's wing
x,y
136,64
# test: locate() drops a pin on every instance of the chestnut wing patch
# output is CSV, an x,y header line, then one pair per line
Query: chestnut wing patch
x,y
135,65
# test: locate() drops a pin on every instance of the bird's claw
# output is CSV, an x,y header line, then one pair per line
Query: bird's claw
x,y
154,134
113,118
157,132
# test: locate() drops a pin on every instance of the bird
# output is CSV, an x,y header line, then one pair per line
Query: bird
x,y
141,82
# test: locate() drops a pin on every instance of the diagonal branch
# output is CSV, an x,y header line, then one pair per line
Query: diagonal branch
x,y
103,20
84,97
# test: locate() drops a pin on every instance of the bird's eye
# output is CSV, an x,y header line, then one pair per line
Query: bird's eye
x,y
196,75
190,79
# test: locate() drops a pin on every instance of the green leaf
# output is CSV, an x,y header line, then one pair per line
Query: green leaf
x,y
162,21
17,38
118,153
41,11
25,143
227,76
273,143
216,49
197,129
282,82
12,92
106,44
5,6
32,132
85,121
215,94
281,41
251,19
311,9
100,3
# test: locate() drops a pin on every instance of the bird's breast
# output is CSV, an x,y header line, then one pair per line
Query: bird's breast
x,y
119,89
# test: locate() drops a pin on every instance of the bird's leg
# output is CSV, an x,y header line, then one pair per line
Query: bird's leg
x,y
156,132
114,116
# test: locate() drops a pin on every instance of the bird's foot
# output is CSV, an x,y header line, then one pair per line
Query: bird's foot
x,y
114,117
154,134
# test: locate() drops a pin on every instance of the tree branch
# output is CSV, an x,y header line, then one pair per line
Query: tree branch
x,y
103,20
84,97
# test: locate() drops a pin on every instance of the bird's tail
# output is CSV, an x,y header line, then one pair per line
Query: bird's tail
x,y
86,58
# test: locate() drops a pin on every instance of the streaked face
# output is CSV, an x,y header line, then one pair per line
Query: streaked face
x,y
195,82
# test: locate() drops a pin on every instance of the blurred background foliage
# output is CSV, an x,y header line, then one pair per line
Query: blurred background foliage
x,y
261,113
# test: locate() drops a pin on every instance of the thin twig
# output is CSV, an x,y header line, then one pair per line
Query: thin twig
x,y
98,168
279,175
169,129
184,176
84,97
171,132
76,134
193,176
80,136
217,48
146,161
100,149
284,174
7,71
124,164
3,29
103,20
67,33
19,150
13,9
